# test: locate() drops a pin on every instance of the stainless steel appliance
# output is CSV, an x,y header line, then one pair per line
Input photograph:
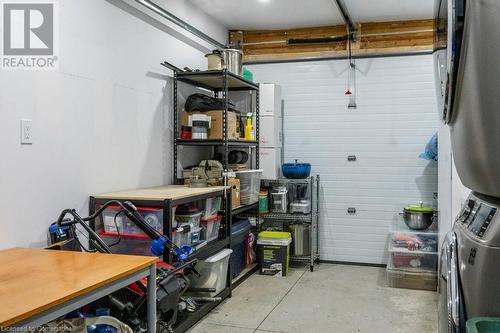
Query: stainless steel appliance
x,y
300,198
469,270
279,199
300,239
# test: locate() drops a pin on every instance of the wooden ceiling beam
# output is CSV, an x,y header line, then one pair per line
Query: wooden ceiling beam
x,y
373,38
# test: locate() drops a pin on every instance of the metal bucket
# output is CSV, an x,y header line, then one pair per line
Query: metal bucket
x,y
300,239
233,60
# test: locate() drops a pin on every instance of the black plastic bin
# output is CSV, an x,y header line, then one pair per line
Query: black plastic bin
x,y
239,235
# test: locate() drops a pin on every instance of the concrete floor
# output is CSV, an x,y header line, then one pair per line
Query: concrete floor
x,y
334,298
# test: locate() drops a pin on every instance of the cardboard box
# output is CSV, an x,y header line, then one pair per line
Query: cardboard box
x,y
215,131
234,184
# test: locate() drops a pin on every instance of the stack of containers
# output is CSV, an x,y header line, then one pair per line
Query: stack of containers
x,y
413,257
270,130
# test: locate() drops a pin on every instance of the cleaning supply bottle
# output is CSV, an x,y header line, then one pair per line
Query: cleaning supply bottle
x,y
249,128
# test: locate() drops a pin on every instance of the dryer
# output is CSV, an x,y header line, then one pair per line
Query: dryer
x,y
469,267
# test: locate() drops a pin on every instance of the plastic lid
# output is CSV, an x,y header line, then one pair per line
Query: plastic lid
x,y
275,234
419,209
219,256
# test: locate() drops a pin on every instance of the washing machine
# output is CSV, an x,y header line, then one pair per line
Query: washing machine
x,y
469,270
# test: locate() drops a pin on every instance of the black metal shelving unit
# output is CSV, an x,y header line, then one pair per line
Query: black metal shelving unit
x,y
220,84
166,205
185,319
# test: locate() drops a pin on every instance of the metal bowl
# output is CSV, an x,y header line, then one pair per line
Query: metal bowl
x,y
418,220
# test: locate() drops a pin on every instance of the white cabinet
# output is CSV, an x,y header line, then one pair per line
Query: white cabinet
x,y
270,162
270,133
270,130
269,100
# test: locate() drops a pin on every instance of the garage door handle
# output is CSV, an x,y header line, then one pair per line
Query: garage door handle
x,y
352,158
351,210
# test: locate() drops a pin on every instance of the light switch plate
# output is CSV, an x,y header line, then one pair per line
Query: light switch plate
x,y
26,132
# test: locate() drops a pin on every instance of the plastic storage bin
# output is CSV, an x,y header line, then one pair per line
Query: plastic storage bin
x,y
249,185
153,216
239,237
212,207
192,219
213,274
211,228
414,241
274,250
397,278
412,260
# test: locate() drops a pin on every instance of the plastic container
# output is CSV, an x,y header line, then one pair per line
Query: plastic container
x,y
180,236
239,237
264,201
153,216
411,280
210,228
483,325
249,185
414,241
274,250
192,219
213,274
412,260
212,207
194,236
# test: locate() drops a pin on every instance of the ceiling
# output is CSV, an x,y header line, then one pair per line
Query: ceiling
x,y
286,14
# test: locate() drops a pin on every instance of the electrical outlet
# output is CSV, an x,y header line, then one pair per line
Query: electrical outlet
x,y
26,132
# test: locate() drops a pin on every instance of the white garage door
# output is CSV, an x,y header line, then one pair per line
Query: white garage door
x,y
395,117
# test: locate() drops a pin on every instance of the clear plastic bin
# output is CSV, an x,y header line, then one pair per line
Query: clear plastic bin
x,y
414,241
153,216
211,228
193,219
411,280
249,185
213,274
412,260
212,207
180,236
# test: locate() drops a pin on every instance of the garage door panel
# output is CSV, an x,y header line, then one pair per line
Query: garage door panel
x,y
394,119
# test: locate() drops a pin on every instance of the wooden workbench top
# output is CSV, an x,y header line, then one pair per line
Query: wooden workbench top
x,y
166,192
34,280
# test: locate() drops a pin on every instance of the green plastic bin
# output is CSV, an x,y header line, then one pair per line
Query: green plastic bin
x,y
483,325
274,252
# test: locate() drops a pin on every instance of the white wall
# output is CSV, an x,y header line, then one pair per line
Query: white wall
x,y
100,123
395,118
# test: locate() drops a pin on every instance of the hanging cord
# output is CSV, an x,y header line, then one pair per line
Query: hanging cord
x,y
349,58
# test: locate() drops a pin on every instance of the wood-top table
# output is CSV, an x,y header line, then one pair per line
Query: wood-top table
x,y
165,192
37,285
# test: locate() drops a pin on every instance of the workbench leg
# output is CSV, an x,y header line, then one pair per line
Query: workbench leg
x,y
152,299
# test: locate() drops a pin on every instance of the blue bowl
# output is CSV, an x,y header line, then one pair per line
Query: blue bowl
x,y
296,170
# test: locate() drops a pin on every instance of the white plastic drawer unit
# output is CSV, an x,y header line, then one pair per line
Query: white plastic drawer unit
x,y
269,100
270,132
270,162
